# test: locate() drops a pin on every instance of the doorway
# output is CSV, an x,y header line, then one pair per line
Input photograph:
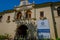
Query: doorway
x,y
21,31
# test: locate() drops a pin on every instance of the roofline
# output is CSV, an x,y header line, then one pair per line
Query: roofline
x,y
22,6
36,6
46,4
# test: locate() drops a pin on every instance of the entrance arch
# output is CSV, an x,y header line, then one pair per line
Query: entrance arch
x,y
21,31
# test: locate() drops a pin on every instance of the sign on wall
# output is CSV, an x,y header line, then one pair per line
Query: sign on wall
x,y
43,29
43,24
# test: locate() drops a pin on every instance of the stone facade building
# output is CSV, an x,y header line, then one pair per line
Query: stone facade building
x,y
27,13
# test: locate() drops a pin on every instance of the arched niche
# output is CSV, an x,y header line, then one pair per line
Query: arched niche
x,y
19,15
28,14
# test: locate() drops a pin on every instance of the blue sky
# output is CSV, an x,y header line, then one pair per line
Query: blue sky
x,y
9,4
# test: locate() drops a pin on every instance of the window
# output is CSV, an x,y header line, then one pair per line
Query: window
x,y
58,11
28,14
0,18
8,19
41,14
19,15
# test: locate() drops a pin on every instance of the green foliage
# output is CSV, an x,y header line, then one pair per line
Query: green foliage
x,y
46,39
58,39
5,36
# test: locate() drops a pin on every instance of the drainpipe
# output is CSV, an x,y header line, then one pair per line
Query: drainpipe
x,y
54,22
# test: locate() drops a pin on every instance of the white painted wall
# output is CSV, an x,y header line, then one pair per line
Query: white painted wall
x,y
48,14
57,19
11,27
8,28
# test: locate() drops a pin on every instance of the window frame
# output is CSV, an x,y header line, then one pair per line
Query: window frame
x,y
41,13
58,11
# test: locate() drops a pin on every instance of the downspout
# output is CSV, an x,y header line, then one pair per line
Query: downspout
x,y
54,22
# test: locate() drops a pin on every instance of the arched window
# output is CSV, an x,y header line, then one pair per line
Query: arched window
x,y
58,11
19,15
28,14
